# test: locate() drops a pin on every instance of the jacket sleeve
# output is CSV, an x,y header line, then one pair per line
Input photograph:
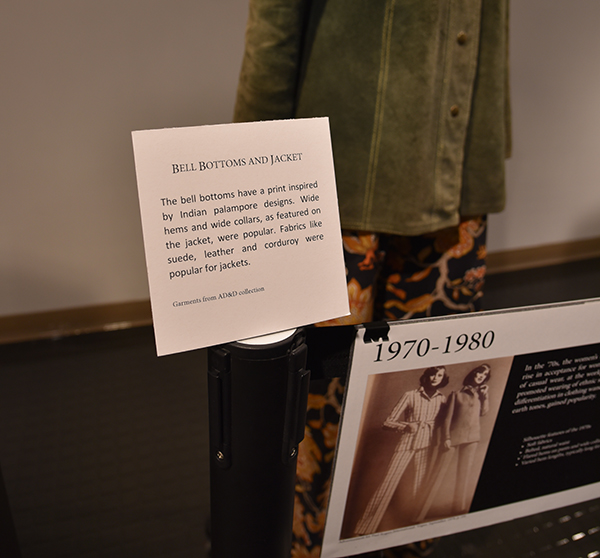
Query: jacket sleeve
x,y
448,417
485,403
394,419
270,66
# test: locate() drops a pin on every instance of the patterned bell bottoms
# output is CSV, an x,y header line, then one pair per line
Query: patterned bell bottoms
x,y
389,277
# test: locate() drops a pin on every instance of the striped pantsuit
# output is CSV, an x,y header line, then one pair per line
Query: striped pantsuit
x,y
380,501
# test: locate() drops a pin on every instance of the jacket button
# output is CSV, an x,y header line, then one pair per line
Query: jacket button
x,y
461,38
454,110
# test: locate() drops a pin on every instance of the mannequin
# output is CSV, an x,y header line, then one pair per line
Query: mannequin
x,y
417,97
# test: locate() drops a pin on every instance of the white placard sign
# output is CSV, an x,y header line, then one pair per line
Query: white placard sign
x,y
241,230
461,422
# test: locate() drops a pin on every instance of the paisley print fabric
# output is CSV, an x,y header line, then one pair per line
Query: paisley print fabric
x,y
389,277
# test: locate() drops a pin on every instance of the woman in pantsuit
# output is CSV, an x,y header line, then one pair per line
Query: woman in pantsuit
x,y
414,417
460,435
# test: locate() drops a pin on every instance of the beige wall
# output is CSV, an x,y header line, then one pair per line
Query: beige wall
x,y
79,76
553,177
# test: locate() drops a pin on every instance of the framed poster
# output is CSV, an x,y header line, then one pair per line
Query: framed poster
x,y
455,423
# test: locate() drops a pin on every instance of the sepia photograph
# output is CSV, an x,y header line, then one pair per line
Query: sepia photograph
x,y
422,442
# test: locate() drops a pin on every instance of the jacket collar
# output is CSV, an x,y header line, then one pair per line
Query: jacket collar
x,y
422,391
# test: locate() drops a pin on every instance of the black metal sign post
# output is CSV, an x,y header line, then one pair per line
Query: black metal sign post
x,y
258,392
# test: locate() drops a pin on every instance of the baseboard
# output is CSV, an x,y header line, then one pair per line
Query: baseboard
x,y
74,321
108,317
542,256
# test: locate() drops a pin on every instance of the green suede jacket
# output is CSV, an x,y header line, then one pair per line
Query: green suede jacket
x,y
417,96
